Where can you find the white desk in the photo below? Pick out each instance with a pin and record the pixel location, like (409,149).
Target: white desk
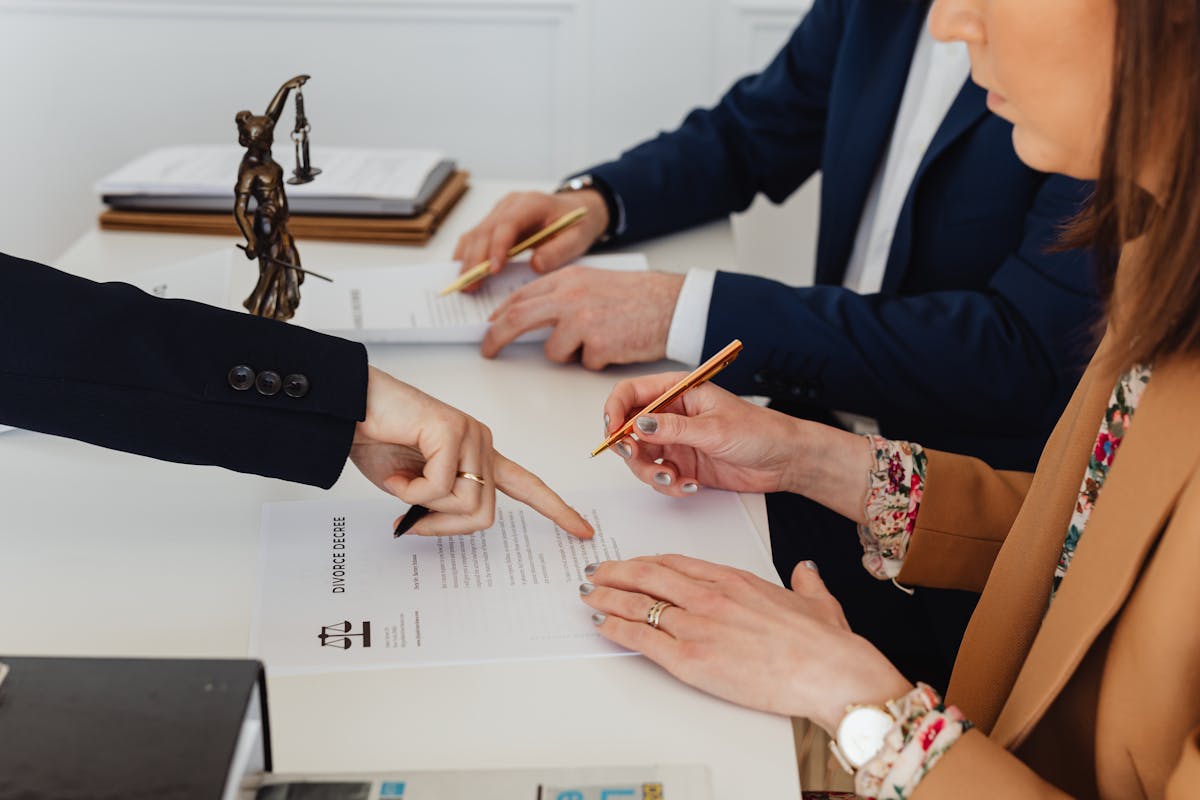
(112,554)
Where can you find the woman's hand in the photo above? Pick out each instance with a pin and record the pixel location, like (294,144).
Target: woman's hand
(741,638)
(712,438)
(707,436)
(414,446)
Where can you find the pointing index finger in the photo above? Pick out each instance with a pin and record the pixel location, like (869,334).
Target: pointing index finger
(521,484)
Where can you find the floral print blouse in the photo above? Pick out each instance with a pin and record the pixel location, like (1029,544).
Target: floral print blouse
(896,484)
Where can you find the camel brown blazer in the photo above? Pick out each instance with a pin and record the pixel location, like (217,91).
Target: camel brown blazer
(1099,696)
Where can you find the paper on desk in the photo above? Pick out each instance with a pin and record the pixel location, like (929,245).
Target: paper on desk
(404,305)
(384,304)
(353,179)
(337,592)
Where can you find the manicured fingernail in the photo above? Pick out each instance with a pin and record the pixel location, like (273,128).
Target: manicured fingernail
(590,569)
(624,450)
(607,422)
(647,424)
(586,588)
(662,479)
(810,565)
(690,488)
(598,618)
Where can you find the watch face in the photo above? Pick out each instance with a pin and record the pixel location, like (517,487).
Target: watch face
(860,734)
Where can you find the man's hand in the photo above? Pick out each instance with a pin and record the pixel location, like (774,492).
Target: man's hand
(522,214)
(607,317)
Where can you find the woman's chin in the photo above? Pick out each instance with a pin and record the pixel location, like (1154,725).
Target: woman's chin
(1037,153)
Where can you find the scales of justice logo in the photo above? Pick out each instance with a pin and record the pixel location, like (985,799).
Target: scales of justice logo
(340,635)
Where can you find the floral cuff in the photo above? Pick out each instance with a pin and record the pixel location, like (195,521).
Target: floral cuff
(895,486)
(924,731)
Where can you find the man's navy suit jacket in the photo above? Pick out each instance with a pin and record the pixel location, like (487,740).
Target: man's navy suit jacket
(980,331)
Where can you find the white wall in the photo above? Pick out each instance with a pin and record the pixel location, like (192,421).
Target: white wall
(512,88)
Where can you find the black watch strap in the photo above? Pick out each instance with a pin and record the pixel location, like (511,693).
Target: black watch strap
(587,181)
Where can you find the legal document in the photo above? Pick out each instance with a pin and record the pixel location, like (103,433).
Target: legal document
(404,304)
(337,592)
(383,304)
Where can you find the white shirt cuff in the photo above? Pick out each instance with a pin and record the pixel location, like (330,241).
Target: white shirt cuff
(685,339)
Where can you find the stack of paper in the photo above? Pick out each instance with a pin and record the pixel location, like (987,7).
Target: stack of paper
(354,181)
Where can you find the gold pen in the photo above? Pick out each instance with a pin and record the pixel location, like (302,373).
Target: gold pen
(701,374)
(480,270)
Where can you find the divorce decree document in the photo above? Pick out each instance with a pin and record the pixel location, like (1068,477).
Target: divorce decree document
(337,592)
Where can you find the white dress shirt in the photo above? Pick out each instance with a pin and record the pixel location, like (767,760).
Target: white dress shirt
(935,78)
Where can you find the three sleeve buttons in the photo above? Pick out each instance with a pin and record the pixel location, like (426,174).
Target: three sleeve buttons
(268,383)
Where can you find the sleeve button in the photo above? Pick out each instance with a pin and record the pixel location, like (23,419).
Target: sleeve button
(268,383)
(241,377)
(295,385)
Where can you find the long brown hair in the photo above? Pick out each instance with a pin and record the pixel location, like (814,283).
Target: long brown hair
(1154,309)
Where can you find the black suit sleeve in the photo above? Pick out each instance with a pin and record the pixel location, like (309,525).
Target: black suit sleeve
(114,366)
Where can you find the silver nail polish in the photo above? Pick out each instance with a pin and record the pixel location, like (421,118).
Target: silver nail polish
(590,569)
(624,450)
(598,618)
(662,479)
(810,564)
(607,421)
(691,488)
(647,424)
(586,588)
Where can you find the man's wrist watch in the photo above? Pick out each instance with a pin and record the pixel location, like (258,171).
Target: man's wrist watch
(860,735)
(580,182)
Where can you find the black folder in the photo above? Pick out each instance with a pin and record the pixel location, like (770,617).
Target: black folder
(128,728)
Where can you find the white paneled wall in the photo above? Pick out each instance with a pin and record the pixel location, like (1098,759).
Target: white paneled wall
(512,88)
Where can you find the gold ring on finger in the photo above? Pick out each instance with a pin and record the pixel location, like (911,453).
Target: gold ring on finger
(655,613)
(471,476)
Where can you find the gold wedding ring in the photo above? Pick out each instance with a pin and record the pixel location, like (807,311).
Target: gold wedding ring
(655,613)
(471,476)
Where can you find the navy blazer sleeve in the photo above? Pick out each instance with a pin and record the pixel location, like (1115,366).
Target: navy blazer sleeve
(114,366)
(766,135)
(954,359)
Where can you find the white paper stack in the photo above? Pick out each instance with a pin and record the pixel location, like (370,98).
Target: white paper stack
(354,181)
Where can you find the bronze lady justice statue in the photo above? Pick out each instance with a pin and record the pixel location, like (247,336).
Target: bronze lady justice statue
(277,293)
